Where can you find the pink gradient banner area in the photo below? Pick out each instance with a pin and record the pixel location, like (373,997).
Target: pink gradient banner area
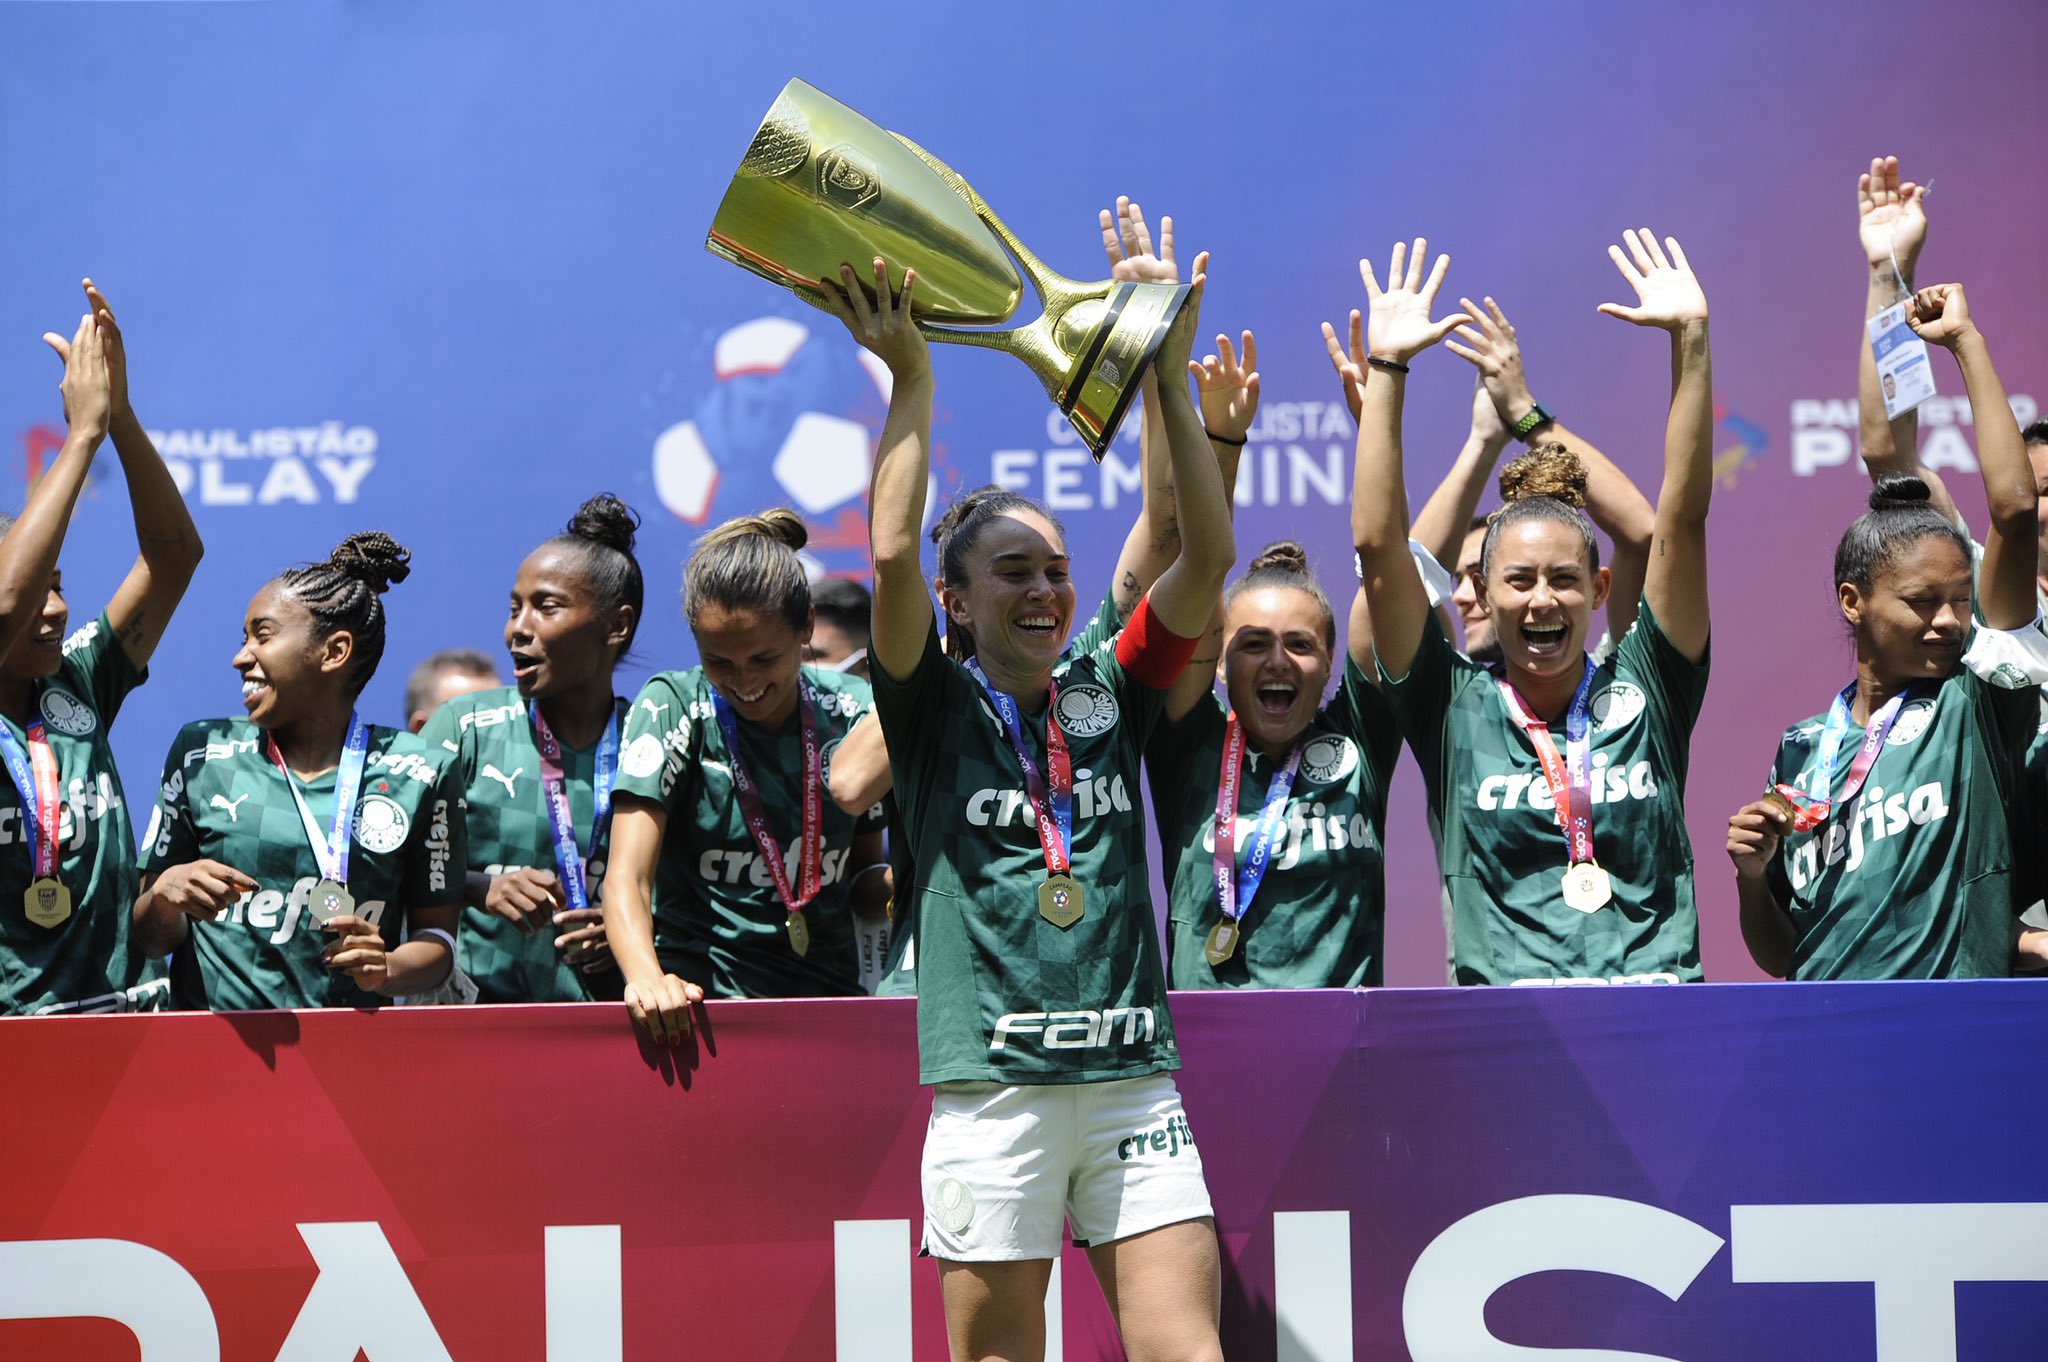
(440,271)
(1714,1174)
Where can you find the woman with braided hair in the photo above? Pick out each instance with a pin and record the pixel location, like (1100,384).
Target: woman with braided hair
(301,857)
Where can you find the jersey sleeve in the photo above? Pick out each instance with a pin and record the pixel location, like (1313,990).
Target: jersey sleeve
(1421,700)
(101,667)
(171,839)
(659,744)
(914,714)
(1360,708)
(862,697)
(1181,789)
(1677,684)
(439,856)
(445,731)
(1100,631)
(2004,670)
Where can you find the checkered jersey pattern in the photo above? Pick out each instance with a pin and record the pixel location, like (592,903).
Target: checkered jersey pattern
(489,737)
(223,799)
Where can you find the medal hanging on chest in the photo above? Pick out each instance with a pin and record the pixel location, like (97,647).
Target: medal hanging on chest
(331,898)
(810,850)
(1235,888)
(1060,898)
(570,862)
(1808,811)
(47,901)
(1584,886)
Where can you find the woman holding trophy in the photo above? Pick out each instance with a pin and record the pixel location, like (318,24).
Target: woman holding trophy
(1038,904)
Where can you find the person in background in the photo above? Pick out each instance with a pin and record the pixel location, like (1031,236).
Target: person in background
(839,635)
(441,677)
(67,867)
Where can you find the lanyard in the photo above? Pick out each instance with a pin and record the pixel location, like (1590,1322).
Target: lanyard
(810,854)
(331,851)
(35,776)
(1234,890)
(554,786)
(1570,776)
(1809,811)
(1051,808)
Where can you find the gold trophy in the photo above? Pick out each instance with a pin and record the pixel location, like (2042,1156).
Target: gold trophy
(821,185)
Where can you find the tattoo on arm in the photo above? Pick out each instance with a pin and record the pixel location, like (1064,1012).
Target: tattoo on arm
(131,633)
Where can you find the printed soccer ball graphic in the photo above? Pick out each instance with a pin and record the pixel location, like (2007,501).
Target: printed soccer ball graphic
(790,419)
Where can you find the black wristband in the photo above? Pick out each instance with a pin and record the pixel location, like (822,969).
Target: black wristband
(1214,438)
(1391,365)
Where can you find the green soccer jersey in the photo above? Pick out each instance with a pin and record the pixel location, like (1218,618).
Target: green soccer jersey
(1003,995)
(1916,879)
(223,799)
(1499,846)
(1319,915)
(83,963)
(718,918)
(497,765)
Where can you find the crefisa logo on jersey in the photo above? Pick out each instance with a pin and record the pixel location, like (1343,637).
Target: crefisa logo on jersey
(790,418)
(381,824)
(66,713)
(1086,710)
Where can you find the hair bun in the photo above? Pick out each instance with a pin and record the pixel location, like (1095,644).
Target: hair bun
(372,558)
(1282,555)
(1897,491)
(781,523)
(959,509)
(606,520)
(1548,470)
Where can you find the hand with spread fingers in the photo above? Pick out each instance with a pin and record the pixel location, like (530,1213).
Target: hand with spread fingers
(879,318)
(1891,216)
(1228,382)
(1349,364)
(1128,242)
(1398,324)
(1668,295)
(1491,348)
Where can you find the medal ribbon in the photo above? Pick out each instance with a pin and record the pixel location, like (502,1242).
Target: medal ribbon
(554,786)
(331,851)
(1234,889)
(1052,795)
(1809,811)
(35,777)
(811,852)
(1570,776)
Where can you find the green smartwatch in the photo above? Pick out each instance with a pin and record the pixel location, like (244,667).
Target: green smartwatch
(1539,415)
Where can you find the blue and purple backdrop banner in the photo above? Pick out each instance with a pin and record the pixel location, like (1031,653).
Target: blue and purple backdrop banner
(438,269)
(1728,1173)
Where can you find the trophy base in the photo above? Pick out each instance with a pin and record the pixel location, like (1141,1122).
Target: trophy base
(1113,358)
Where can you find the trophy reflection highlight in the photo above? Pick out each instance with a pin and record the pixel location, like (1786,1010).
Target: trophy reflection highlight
(821,184)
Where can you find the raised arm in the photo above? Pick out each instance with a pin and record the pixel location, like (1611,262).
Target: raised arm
(1669,297)
(1185,595)
(1613,501)
(881,323)
(1399,328)
(1154,538)
(29,550)
(1891,224)
(1229,385)
(169,544)
(2006,583)
(1445,519)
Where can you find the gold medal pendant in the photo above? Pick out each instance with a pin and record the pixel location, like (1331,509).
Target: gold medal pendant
(47,902)
(799,933)
(330,900)
(1059,901)
(1222,942)
(1587,887)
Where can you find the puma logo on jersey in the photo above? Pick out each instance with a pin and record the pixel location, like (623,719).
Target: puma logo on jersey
(654,711)
(493,773)
(233,806)
(1092,795)
(1085,1029)
(1876,817)
(1611,785)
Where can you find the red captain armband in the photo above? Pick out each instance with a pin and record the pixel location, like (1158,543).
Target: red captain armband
(1152,654)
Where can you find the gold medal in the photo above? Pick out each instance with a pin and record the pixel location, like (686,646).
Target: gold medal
(1059,901)
(799,933)
(330,900)
(1222,942)
(1777,800)
(1587,887)
(47,902)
